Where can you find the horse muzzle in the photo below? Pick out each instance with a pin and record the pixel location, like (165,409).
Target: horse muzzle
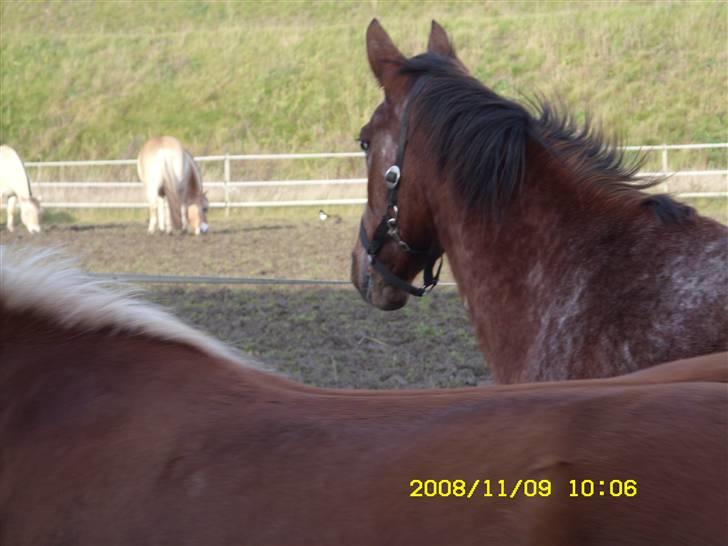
(372,288)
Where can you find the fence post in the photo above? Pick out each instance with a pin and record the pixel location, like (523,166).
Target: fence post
(226,181)
(665,165)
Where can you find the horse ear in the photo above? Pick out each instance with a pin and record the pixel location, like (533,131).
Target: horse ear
(385,60)
(439,43)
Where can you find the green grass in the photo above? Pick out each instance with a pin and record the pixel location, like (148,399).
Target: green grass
(95,79)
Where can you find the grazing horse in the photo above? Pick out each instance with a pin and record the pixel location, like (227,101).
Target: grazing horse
(119,425)
(15,184)
(567,268)
(169,171)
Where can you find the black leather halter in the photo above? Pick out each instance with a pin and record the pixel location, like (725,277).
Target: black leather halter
(388,226)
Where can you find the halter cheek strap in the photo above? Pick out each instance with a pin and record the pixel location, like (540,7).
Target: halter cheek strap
(388,227)
(430,276)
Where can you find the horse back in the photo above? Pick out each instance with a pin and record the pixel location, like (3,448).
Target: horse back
(161,164)
(711,368)
(13,178)
(169,445)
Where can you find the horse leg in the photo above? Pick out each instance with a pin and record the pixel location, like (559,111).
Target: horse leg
(167,217)
(152,218)
(12,200)
(161,214)
(184,217)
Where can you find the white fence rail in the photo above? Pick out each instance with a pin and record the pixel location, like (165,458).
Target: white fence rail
(227,190)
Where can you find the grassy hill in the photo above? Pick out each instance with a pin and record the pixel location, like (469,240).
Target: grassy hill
(85,80)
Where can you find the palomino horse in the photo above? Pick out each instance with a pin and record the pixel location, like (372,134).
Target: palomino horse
(119,425)
(15,185)
(169,171)
(567,268)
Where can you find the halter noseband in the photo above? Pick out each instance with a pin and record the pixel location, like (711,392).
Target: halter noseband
(388,226)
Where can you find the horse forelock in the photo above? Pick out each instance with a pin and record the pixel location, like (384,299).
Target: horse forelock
(46,283)
(480,139)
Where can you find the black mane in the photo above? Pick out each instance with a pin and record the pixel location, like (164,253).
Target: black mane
(480,138)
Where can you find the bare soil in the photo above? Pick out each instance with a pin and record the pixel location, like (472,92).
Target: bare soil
(321,335)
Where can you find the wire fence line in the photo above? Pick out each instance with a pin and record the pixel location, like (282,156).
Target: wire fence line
(215,280)
(225,191)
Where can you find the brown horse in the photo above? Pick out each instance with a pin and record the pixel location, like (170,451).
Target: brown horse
(567,268)
(121,426)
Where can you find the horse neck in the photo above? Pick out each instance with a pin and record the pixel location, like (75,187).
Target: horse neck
(514,272)
(194,188)
(23,190)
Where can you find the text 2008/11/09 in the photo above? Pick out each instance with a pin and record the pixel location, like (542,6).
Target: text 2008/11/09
(478,488)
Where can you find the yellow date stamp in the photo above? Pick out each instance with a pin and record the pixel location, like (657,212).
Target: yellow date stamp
(480,488)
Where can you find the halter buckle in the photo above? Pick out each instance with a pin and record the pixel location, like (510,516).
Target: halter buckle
(391,177)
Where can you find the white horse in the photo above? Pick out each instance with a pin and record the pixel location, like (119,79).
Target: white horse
(169,171)
(15,185)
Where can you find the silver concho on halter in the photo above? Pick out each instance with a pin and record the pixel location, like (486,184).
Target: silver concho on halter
(391,177)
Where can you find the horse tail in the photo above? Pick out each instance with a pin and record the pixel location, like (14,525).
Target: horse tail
(171,184)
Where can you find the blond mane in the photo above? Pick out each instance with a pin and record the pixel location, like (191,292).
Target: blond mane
(46,282)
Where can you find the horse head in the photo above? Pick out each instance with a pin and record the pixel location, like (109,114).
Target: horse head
(197,214)
(397,236)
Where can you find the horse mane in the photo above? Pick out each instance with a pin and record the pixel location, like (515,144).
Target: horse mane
(481,138)
(46,283)
(195,176)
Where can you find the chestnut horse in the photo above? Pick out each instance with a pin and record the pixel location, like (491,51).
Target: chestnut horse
(119,425)
(15,185)
(169,171)
(568,270)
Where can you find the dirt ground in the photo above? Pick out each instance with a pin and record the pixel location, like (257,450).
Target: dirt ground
(321,335)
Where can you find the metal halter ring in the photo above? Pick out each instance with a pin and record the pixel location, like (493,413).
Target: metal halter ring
(392,177)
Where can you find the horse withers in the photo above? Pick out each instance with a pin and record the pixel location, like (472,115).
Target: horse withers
(567,267)
(120,425)
(15,185)
(173,187)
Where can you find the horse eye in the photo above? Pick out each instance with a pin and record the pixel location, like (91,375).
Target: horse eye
(364,144)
